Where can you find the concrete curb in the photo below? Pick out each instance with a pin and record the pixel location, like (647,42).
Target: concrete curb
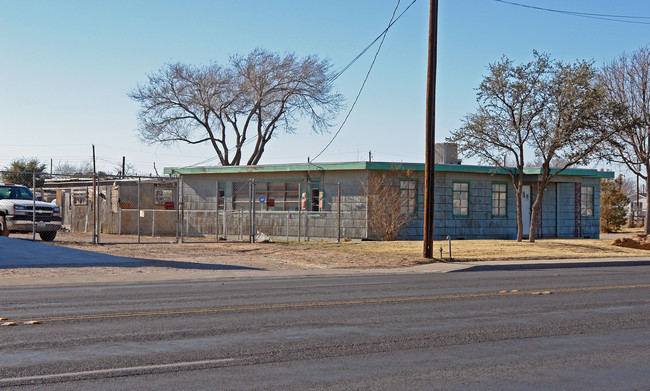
(557,264)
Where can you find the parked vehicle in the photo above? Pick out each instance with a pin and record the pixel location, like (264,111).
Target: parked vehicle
(21,212)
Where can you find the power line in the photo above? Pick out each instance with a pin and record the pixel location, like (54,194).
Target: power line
(607,17)
(383,33)
(392,21)
(381,36)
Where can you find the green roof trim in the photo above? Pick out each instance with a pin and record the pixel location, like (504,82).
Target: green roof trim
(583,172)
(207,170)
(294,167)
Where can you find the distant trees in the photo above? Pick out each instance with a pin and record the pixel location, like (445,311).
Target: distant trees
(613,202)
(71,169)
(20,172)
(626,81)
(249,100)
(85,168)
(549,107)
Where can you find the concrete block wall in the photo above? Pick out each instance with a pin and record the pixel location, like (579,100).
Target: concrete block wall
(566,212)
(591,224)
(479,224)
(547,227)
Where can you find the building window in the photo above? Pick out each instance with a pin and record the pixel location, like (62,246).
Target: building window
(291,196)
(587,200)
(163,196)
(221,194)
(80,197)
(240,198)
(408,190)
(499,199)
(461,198)
(278,196)
(316,197)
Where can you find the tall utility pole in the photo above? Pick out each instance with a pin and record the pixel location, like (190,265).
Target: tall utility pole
(431,131)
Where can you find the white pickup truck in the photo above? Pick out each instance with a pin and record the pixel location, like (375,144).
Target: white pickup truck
(17,206)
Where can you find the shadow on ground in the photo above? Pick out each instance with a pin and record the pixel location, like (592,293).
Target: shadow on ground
(22,254)
(134,263)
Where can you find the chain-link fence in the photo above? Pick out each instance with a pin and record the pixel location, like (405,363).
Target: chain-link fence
(278,210)
(189,209)
(105,209)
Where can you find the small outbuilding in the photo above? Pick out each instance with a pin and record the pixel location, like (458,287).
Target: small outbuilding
(125,206)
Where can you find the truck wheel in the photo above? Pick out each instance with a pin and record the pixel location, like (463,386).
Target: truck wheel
(47,236)
(4,231)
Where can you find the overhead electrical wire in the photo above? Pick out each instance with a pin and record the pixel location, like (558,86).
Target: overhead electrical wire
(383,37)
(382,34)
(608,17)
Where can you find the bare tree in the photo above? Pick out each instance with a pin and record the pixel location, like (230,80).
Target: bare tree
(627,83)
(390,208)
(72,169)
(247,101)
(570,127)
(555,109)
(510,100)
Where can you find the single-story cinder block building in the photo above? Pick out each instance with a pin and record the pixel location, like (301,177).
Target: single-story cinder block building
(325,201)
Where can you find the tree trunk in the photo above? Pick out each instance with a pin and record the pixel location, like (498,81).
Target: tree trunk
(520,218)
(646,227)
(534,215)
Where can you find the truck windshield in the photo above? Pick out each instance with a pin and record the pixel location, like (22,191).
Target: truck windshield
(15,193)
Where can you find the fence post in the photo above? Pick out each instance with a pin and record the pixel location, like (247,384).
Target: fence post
(224,225)
(139,211)
(288,218)
(216,210)
(34,206)
(94,208)
(338,236)
(299,209)
(178,206)
(252,204)
(367,208)
(99,215)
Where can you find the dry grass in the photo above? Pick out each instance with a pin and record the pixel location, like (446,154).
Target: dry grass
(316,255)
(489,250)
(631,231)
(362,255)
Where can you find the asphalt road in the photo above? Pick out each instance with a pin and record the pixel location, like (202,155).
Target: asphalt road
(578,329)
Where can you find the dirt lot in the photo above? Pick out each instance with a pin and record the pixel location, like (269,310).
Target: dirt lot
(361,255)
(324,255)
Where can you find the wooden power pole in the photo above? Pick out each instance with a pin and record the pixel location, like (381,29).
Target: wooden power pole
(431,131)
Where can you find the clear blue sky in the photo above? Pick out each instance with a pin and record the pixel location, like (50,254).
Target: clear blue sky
(66,67)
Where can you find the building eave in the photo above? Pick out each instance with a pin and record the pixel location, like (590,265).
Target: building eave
(351,166)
